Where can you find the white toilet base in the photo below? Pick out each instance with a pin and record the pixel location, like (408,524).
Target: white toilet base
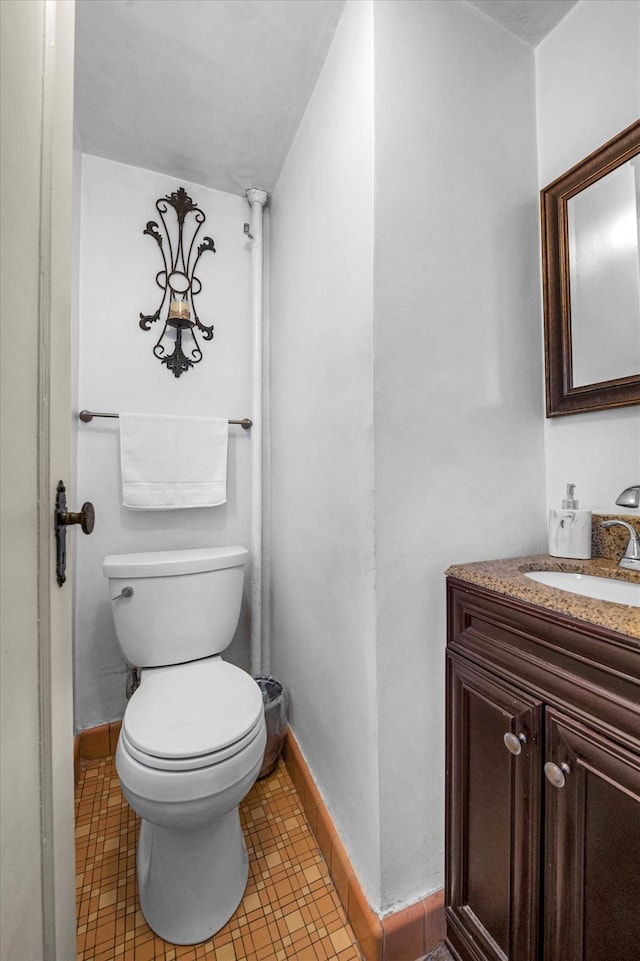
(190,882)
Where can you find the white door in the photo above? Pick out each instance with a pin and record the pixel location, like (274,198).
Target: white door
(36,801)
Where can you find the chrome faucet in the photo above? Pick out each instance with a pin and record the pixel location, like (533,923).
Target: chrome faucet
(631,557)
(630,497)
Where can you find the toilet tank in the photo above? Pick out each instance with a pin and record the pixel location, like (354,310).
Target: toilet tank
(179,606)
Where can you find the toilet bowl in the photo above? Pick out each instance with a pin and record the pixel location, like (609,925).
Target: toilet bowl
(193,735)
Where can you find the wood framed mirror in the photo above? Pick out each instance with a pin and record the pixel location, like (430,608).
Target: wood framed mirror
(591,280)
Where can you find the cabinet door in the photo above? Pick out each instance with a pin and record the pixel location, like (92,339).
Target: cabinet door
(592,845)
(493,816)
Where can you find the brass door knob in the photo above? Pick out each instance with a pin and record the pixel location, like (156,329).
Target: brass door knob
(86,517)
(514,742)
(62,518)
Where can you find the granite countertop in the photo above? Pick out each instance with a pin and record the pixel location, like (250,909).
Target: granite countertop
(506,576)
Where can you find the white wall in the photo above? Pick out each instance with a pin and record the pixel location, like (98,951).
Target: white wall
(323,643)
(458,364)
(364,524)
(118,372)
(588,90)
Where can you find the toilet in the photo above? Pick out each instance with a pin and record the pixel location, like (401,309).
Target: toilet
(193,733)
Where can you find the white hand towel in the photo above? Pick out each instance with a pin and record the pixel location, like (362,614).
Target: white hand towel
(172,462)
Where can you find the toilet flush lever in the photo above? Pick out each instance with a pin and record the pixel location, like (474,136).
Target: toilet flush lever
(125,592)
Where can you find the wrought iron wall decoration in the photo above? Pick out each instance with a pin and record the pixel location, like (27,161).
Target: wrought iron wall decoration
(177,346)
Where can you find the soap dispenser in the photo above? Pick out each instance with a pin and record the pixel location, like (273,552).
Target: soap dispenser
(570,529)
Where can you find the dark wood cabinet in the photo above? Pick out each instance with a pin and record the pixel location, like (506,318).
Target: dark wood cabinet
(493,807)
(592,846)
(543,784)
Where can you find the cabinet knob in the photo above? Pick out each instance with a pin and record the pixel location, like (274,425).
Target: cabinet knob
(556,774)
(514,742)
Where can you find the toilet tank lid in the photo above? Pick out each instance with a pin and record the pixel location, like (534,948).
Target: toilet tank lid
(166,563)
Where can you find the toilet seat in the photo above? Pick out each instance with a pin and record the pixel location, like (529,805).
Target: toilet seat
(192,715)
(143,783)
(191,763)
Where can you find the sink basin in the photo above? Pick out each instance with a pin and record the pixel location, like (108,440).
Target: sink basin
(602,588)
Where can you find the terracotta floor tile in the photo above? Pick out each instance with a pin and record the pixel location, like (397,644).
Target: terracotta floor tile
(290,909)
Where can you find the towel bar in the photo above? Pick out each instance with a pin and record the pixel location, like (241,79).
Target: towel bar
(87,416)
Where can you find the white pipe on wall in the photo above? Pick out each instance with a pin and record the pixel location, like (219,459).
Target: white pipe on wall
(257,200)
(266,453)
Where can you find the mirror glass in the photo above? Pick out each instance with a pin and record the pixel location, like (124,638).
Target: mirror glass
(591,280)
(604,277)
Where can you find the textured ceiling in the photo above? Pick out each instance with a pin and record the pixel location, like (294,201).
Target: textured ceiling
(212,91)
(531,20)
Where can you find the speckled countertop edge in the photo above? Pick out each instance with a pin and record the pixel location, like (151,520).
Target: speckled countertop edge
(507,576)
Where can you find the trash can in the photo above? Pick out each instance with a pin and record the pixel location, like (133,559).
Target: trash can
(275,715)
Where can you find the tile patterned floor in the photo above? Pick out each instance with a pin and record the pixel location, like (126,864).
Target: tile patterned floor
(290,907)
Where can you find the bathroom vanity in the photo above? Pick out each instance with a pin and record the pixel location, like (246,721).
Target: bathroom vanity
(543,768)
